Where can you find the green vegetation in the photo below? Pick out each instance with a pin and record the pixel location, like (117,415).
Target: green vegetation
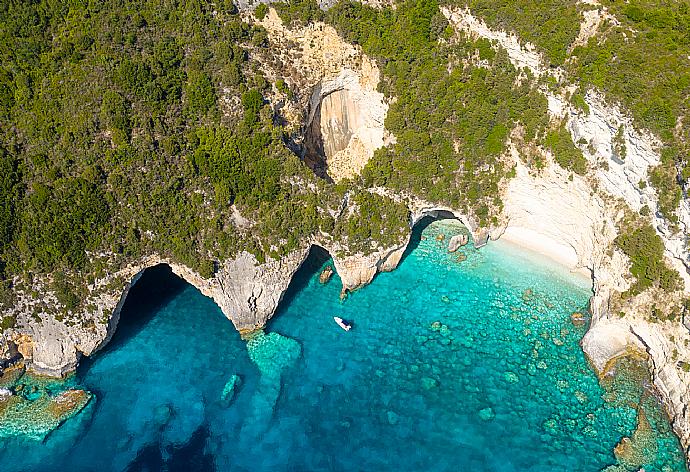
(299,12)
(128,128)
(379,220)
(646,252)
(452,123)
(641,61)
(619,149)
(113,145)
(551,25)
(261,11)
(7,322)
(578,100)
(567,155)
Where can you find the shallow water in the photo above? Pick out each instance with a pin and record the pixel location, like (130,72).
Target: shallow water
(471,365)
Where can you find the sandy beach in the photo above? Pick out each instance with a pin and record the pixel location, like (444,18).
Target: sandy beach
(538,243)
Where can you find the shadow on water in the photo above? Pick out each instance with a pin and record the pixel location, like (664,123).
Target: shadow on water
(189,457)
(316,258)
(422,224)
(156,287)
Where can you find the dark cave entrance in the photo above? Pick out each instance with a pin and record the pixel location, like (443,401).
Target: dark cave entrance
(314,262)
(313,151)
(154,289)
(421,224)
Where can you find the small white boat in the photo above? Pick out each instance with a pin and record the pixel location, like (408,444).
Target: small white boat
(342,323)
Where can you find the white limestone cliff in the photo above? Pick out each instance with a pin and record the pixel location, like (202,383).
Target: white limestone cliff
(357,270)
(574,219)
(345,113)
(246,291)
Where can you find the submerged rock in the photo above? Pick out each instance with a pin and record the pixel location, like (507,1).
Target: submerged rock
(229,389)
(487,414)
(392,417)
(527,295)
(34,419)
(272,353)
(635,451)
(457,241)
(461,257)
(511,377)
(428,383)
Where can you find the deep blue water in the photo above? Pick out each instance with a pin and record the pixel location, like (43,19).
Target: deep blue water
(471,366)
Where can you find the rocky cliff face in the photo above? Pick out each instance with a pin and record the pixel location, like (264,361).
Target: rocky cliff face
(575,217)
(247,292)
(572,218)
(341,121)
(359,269)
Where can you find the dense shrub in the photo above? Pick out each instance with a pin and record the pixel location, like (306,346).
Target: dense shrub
(646,252)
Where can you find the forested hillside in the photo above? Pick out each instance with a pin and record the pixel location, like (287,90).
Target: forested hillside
(128,128)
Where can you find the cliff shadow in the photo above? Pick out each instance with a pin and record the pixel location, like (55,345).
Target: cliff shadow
(316,258)
(420,226)
(156,287)
(314,153)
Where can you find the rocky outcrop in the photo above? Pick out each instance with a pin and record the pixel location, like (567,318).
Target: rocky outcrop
(345,113)
(358,269)
(457,241)
(246,291)
(246,5)
(520,54)
(574,219)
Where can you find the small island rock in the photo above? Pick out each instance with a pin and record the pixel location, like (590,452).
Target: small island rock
(578,318)
(457,241)
(326,274)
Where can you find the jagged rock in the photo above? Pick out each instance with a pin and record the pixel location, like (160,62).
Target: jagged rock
(246,291)
(457,241)
(527,295)
(511,377)
(358,270)
(229,389)
(345,112)
(578,319)
(34,419)
(326,274)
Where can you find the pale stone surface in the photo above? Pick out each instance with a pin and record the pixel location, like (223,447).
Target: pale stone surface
(247,292)
(573,220)
(457,241)
(358,269)
(567,217)
(345,112)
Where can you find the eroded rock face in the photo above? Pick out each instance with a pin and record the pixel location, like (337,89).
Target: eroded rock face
(345,114)
(346,126)
(358,269)
(575,217)
(247,292)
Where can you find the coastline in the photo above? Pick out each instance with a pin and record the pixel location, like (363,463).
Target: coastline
(544,247)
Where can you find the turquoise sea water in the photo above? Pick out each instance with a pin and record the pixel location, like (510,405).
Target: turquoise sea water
(451,366)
